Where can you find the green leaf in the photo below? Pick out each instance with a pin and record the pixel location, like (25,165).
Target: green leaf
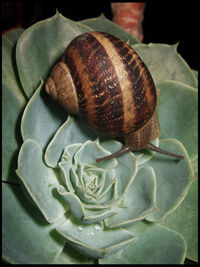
(126,169)
(195,167)
(90,151)
(14,35)
(103,24)
(78,210)
(185,221)
(145,155)
(95,187)
(42,117)
(195,72)
(73,202)
(173,178)
(71,256)
(94,240)
(12,105)
(72,131)
(177,113)
(138,202)
(81,169)
(41,45)
(66,164)
(11,138)
(40,181)
(174,67)
(98,203)
(154,244)
(26,236)
(9,70)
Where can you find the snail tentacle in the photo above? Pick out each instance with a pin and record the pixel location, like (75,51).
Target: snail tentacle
(118,153)
(150,146)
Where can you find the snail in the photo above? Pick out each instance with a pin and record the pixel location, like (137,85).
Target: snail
(103,80)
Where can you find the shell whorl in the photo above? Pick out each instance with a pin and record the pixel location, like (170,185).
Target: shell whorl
(61,87)
(115,92)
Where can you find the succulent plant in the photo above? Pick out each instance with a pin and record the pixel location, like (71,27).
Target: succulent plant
(59,204)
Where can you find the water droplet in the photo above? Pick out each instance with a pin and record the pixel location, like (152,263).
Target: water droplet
(80,229)
(98,227)
(90,233)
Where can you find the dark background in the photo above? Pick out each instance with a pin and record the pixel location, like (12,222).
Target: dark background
(164,21)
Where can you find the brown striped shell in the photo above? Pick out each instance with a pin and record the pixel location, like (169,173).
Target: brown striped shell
(107,82)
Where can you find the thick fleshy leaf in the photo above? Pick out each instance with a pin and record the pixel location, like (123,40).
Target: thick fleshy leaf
(90,151)
(172,179)
(50,38)
(66,163)
(12,108)
(27,238)
(96,215)
(94,240)
(127,167)
(154,244)
(71,256)
(72,131)
(78,208)
(94,187)
(42,117)
(144,155)
(40,181)
(195,72)
(138,202)
(185,221)
(178,114)
(195,167)
(175,67)
(14,35)
(9,70)
(13,103)
(73,202)
(102,24)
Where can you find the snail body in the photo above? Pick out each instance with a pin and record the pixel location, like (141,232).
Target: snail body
(101,78)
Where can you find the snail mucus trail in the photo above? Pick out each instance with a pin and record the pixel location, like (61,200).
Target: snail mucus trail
(103,80)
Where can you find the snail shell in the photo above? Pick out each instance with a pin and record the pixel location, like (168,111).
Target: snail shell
(101,78)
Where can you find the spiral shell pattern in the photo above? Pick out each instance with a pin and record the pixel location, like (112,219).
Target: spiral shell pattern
(115,91)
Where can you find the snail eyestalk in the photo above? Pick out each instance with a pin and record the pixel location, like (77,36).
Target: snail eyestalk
(120,152)
(159,150)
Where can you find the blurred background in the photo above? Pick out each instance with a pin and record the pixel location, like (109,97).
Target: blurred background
(163,21)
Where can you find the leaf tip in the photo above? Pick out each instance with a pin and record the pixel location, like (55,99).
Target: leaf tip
(102,15)
(176,45)
(57,12)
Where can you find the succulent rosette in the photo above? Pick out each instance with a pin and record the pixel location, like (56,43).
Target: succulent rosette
(59,204)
